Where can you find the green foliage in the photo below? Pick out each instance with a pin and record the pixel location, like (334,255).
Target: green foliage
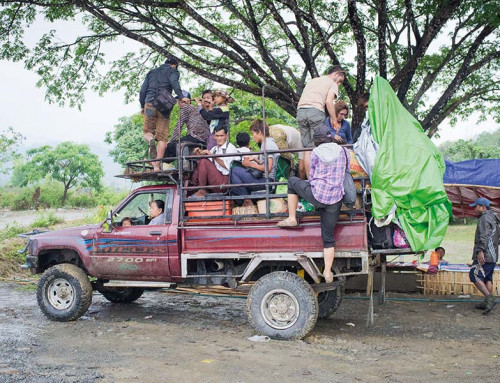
(50,196)
(46,220)
(487,145)
(69,163)
(9,139)
(12,230)
(128,141)
(443,67)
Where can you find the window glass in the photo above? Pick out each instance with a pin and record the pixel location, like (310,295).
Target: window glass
(137,209)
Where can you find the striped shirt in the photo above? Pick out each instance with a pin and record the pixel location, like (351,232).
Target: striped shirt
(327,181)
(197,127)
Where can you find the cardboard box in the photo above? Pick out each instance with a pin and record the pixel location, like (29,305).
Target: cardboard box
(276,205)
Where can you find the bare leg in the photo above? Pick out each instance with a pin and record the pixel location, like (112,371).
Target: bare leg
(291,221)
(329,256)
(482,287)
(302,170)
(160,151)
(148,136)
(293,201)
(489,286)
(307,159)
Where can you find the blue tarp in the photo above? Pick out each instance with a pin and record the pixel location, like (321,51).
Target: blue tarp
(473,172)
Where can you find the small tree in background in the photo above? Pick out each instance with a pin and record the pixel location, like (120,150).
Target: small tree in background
(69,163)
(9,139)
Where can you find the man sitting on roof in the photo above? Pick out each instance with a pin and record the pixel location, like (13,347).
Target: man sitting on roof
(197,127)
(214,171)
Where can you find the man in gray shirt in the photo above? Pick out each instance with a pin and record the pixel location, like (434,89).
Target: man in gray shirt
(485,253)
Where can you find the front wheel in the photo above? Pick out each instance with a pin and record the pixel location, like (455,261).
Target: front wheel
(64,292)
(282,305)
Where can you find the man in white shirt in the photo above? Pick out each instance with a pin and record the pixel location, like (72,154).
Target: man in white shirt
(214,171)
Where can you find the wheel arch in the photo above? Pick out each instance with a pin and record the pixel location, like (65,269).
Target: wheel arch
(51,257)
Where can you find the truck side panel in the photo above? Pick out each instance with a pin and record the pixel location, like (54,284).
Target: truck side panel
(267,237)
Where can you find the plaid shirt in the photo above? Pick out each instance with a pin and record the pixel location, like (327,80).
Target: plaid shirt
(197,127)
(327,181)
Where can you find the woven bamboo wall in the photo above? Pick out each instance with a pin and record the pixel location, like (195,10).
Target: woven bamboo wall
(453,283)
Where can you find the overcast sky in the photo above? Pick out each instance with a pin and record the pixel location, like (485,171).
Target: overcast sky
(22,104)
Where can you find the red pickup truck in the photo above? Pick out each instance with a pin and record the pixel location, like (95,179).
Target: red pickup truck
(283,266)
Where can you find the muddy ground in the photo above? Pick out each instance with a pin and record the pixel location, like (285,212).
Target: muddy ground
(166,337)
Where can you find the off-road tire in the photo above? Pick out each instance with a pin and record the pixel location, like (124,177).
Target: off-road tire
(121,294)
(282,305)
(329,301)
(64,292)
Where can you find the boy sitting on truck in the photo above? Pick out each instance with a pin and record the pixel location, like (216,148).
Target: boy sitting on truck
(254,167)
(214,171)
(325,190)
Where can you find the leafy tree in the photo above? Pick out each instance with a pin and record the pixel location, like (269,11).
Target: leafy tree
(68,163)
(9,139)
(441,56)
(127,140)
(462,150)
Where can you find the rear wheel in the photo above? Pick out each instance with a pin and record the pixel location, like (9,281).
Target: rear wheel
(329,301)
(121,294)
(64,292)
(282,305)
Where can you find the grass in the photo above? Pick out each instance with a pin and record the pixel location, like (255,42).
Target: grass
(46,220)
(459,242)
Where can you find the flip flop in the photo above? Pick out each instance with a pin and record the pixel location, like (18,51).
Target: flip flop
(288,223)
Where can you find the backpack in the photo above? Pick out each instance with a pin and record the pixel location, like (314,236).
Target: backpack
(380,237)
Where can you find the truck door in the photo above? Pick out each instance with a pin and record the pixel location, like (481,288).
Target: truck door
(139,251)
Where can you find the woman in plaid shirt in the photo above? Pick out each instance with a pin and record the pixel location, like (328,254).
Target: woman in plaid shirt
(325,190)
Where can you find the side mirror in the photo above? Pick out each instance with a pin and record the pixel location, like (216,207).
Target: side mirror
(109,221)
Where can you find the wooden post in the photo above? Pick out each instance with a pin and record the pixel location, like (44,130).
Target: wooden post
(369,291)
(381,291)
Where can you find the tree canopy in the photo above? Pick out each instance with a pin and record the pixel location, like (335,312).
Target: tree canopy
(440,56)
(68,163)
(9,140)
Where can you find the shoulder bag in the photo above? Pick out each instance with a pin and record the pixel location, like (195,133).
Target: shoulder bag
(349,189)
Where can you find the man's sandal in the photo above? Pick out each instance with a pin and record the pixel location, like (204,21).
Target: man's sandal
(288,223)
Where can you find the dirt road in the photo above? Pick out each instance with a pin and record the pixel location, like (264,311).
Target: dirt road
(166,337)
(27,217)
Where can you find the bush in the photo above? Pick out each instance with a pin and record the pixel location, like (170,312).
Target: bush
(46,220)
(12,230)
(82,200)
(51,193)
(7,197)
(110,197)
(22,200)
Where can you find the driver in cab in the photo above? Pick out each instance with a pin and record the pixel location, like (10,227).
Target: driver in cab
(156,210)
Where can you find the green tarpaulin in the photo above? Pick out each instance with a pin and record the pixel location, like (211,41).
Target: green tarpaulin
(408,171)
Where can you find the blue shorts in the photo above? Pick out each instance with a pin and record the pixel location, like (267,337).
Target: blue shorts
(481,272)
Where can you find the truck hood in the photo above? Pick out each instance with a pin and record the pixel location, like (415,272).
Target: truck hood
(76,238)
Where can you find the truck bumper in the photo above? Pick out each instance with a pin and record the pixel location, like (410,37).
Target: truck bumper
(31,264)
